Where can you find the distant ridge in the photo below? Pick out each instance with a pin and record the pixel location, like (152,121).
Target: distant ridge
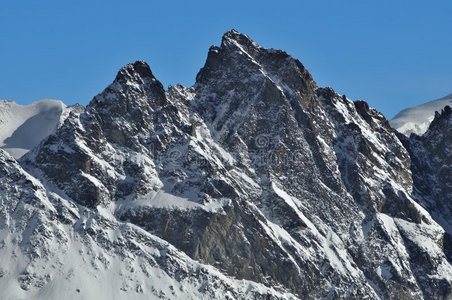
(417,119)
(22,127)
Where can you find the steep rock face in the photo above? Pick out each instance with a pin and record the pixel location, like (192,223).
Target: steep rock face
(257,171)
(432,172)
(434,165)
(126,107)
(278,129)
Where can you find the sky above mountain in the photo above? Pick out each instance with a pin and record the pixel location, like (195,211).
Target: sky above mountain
(394,54)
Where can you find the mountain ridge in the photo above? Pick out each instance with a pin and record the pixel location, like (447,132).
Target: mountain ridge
(253,170)
(417,119)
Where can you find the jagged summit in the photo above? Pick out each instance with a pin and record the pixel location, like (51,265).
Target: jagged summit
(135,87)
(440,130)
(241,59)
(131,70)
(239,38)
(444,114)
(234,34)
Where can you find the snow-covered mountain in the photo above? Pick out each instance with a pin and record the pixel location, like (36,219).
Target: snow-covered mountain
(254,183)
(417,119)
(22,127)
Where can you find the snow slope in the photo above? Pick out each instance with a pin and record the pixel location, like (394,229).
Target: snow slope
(45,252)
(22,127)
(417,119)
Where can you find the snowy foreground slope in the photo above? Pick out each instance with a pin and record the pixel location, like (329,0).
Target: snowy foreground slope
(417,119)
(52,248)
(252,184)
(22,127)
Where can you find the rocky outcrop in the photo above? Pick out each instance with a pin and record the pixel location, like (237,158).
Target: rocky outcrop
(432,172)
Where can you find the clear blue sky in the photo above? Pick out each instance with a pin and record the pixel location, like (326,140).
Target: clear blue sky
(394,54)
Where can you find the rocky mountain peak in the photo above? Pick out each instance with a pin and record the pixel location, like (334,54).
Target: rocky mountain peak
(234,37)
(134,86)
(126,106)
(237,50)
(254,171)
(133,71)
(243,83)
